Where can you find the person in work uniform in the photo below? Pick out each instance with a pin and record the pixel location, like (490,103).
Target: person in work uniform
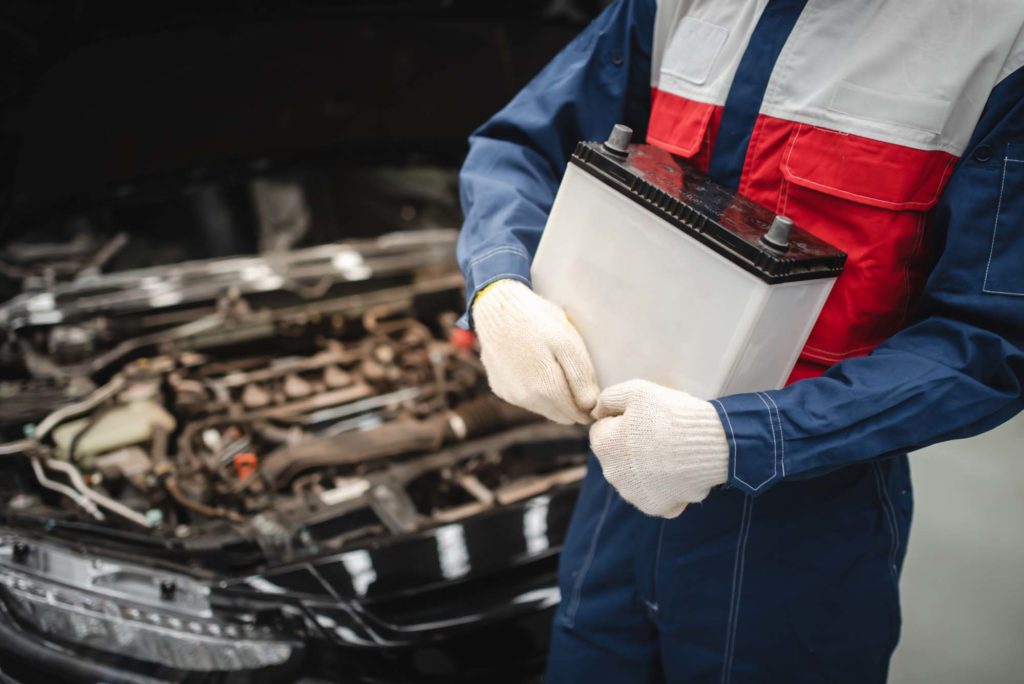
(893,130)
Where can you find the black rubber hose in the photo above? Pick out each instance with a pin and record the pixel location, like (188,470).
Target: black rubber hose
(489,414)
(403,436)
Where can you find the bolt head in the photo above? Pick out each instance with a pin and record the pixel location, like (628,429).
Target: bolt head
(619,139)
(20,552)
(778,233)
(168,589)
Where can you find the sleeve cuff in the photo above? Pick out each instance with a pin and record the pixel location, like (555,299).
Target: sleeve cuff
(507,262)
(757,447)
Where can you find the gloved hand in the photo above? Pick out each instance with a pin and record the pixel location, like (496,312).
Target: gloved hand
(660,448)
(534,357)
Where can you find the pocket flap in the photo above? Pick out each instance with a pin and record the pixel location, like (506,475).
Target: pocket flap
(866,171)
(678,125)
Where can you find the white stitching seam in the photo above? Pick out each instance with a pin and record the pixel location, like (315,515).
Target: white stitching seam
(995,231)
(499,250)
(890,516)
(995,226)
(830,357)
(569,620)
(782,435)
(771,423)
(737,587)
(736,450)
(787,168)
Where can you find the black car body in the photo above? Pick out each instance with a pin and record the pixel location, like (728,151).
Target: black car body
(242,437)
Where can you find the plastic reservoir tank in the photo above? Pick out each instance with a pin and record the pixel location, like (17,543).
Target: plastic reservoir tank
(675,279)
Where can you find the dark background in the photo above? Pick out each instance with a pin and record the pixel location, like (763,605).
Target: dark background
(122,102)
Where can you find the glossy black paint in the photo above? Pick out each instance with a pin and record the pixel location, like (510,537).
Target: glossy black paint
(474,547)
(463,602)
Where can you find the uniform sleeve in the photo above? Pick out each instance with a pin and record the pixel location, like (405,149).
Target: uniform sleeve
(516,159)
(955,372)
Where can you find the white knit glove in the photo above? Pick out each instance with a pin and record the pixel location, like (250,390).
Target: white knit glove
(660,448)
(534,357)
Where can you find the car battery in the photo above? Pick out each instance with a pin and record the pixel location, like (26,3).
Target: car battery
(673,278)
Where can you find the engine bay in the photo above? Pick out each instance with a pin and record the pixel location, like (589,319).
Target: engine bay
(303,401)
(241,437)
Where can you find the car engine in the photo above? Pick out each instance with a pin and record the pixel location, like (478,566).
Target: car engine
(300,401)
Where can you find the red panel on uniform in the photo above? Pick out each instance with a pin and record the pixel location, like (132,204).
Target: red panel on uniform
(866,197)
(683,127)
(865,171)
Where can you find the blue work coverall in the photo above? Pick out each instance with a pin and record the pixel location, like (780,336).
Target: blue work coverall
(788,573)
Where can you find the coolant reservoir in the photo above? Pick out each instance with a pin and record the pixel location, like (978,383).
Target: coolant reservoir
(673,278)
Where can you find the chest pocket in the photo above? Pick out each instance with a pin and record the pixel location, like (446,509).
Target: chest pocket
(683,121)
(1004,273)
(683,127)
(870,199)
(693,50)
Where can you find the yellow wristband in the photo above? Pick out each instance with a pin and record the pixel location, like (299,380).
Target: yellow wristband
(487,288)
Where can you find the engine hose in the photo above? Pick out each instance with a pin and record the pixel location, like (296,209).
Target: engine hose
(403,436)
(489,414)
(171,485)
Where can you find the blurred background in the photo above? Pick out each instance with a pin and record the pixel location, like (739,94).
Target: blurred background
(963,582)
(195,125)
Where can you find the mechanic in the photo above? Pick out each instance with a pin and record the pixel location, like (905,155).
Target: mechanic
(893,130)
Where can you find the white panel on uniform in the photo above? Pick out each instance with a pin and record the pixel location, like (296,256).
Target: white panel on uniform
(910,73)
(698,45)
(693,50)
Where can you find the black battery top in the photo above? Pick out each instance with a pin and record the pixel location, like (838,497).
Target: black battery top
(727,222)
